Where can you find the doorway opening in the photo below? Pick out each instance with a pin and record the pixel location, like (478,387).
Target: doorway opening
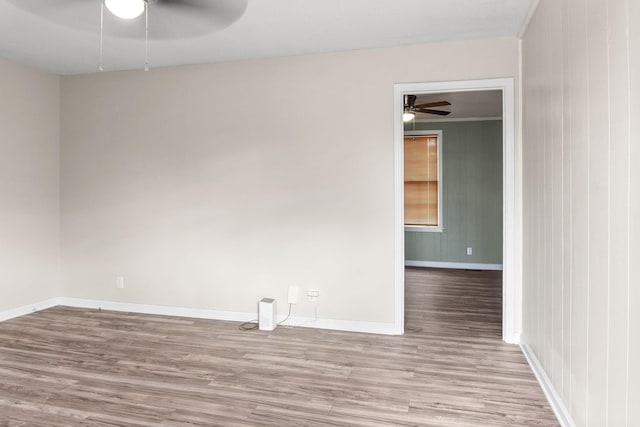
(433,223)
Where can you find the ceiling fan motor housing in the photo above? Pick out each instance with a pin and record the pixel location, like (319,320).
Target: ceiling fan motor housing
(409,101)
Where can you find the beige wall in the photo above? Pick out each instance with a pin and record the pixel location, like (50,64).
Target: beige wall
(581,75)
(212,186)
(29,185)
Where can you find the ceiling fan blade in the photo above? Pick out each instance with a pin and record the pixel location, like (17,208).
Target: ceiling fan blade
(433,104)
(167,18)
(188,18)
(429,111)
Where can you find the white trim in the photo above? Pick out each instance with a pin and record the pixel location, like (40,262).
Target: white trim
(561,412)
(200,313)
(424,228)
(340,325)
(512,306)
(28,309)
(518,339)
(458,265)
(162,310)
(430,228)
(398,207)
(460,119)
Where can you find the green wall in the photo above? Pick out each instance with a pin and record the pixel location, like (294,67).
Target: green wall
(472,194)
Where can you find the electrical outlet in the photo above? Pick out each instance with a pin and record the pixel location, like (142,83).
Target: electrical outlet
(293,295)
(313,294)
(469,251)
(120,282)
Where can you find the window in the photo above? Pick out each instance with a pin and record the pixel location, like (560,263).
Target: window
(423,181)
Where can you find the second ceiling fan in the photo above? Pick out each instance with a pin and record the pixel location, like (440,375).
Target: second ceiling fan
(410,107)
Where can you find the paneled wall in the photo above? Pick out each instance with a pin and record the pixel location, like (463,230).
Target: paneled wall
(581,97)
(29,185)
(472,196)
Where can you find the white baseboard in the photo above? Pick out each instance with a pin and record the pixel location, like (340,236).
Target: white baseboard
(458,265)
(200,313)
(515,339)
(28,309)
(163,310)
(341,325)
(562,414)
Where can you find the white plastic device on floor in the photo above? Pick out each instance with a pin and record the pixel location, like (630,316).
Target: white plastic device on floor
(267,314)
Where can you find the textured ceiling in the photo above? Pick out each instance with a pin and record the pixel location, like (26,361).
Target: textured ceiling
(481,104)
(268,28)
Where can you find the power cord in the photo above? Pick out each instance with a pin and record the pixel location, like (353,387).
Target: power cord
(288,315)
(249,326)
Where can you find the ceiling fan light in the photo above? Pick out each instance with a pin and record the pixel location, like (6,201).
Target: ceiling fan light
(125,9)
(407,116)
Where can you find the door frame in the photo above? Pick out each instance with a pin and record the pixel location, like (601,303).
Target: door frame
(511,274)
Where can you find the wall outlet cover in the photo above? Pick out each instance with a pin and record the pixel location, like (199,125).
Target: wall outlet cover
(312,294)
(293,295)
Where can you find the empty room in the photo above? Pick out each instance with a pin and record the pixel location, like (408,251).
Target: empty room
(313,213)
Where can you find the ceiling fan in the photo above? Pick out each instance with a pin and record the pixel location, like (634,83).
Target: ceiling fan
(168,19)
(410,109)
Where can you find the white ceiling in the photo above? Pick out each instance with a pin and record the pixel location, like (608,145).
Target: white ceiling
(480,104)
(268,28)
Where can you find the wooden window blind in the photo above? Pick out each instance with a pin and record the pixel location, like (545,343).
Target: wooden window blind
(421,180)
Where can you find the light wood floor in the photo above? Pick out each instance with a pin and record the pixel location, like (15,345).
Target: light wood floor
(77,367)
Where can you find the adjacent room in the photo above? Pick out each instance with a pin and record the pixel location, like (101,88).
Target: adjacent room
(453,185)
(219,213)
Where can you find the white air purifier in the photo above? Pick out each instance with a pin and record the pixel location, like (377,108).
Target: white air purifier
(267,314)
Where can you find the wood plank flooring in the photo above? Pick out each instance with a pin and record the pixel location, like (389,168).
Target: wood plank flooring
(78,367)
